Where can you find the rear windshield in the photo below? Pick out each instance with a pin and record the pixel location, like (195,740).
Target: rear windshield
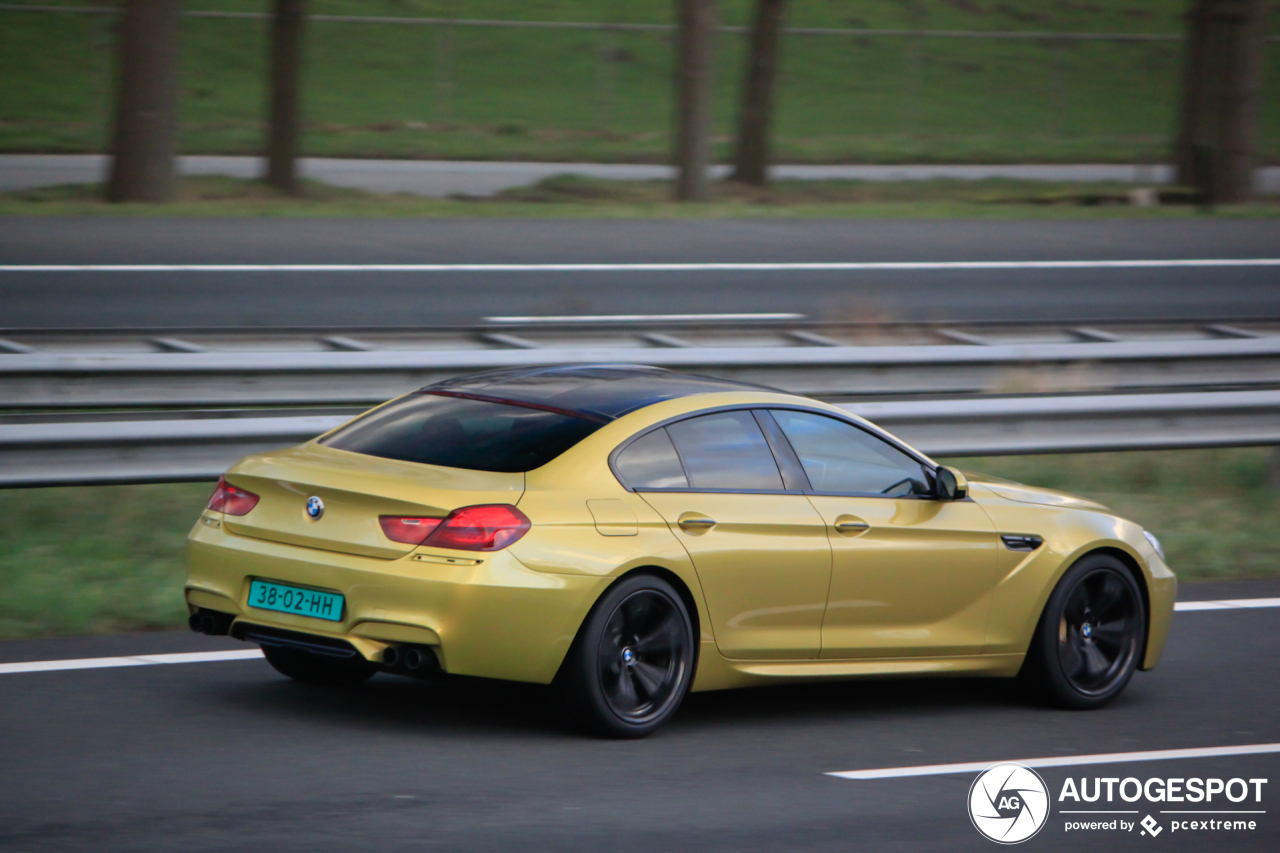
(459,433)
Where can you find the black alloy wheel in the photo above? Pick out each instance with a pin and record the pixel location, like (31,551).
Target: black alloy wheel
(632,662)
(1090,635)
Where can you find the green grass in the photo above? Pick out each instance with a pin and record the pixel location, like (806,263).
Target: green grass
(1214,510)
(110,558)
(94,560)
(568,196)
(371,90)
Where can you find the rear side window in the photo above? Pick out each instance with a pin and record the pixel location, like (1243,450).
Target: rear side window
(839,457)
(459,433)
(726,450)
(650,462)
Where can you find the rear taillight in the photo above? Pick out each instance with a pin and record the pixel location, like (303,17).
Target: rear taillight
(479,528)
(408,530)
(232,500)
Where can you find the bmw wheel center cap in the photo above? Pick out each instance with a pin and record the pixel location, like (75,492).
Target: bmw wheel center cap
(315,507)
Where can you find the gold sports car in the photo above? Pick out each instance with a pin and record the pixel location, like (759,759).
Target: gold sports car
(630,534)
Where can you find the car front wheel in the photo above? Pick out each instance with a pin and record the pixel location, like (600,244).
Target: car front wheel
(1089,639)
(632,662)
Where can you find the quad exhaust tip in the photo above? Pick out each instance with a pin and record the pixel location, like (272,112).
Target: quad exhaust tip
(210,622)
(412,660)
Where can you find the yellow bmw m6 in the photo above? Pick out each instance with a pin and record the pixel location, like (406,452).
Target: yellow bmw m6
(630,534)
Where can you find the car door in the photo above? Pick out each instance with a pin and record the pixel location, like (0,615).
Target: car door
(911,575)
(760,551)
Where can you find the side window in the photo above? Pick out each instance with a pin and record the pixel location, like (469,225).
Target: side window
(650,462)
(839,457)
(726,450)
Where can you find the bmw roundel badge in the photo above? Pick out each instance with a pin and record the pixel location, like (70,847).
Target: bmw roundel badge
(315,507)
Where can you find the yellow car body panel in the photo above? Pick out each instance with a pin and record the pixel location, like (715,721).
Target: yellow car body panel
(917,580)
(776,590)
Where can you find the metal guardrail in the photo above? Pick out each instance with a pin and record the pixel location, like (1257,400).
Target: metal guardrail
(53,380)
(1118,386)
(188,449)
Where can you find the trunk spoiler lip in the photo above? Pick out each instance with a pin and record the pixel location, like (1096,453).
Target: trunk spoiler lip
(524,404)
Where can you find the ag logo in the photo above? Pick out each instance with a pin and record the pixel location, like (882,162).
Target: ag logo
(1009,803)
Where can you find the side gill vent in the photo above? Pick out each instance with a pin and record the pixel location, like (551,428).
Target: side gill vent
(1021,541)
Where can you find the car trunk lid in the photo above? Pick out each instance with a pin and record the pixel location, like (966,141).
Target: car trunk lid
(355,489)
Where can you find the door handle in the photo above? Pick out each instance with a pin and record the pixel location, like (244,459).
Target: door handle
(694,522)
(851,525)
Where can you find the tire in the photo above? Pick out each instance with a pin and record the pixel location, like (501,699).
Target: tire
(318,669)
(1090,637)
(632,662)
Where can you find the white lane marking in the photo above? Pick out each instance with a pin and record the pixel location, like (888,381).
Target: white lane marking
(1061,761)
(247,654)
(136,660)
(1232,604)
(639,318)
(837,266)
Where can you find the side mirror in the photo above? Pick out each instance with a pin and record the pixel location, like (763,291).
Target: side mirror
(950,484)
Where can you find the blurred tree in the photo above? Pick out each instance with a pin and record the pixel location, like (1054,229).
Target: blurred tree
(146,102)
(695,42)
(286,95)
(751,158)
(1216,149)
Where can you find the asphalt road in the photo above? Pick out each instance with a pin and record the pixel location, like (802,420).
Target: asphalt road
(230,756)
(273,298)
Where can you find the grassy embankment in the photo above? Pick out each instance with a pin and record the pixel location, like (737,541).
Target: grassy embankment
(83,560)
(371,89)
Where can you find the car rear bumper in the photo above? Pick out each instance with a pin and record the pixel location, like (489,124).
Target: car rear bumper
(483,614)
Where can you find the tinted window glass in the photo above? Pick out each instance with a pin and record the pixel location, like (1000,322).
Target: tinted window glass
(607,390)
(650,462)
(725,451)
(839,457)
(459,433)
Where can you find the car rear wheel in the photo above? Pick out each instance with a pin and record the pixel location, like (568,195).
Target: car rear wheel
(1089,639)
(632,662)
(319,669)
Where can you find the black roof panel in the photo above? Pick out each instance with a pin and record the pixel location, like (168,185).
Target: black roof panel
(601,390)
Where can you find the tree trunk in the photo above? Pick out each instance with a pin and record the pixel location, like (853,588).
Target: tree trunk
(751,159)
(1238,125)
(286,93)
(146,102)
(697,23)
(1193,93)
(1216,149)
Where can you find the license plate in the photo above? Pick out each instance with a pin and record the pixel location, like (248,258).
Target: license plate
(292,599)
